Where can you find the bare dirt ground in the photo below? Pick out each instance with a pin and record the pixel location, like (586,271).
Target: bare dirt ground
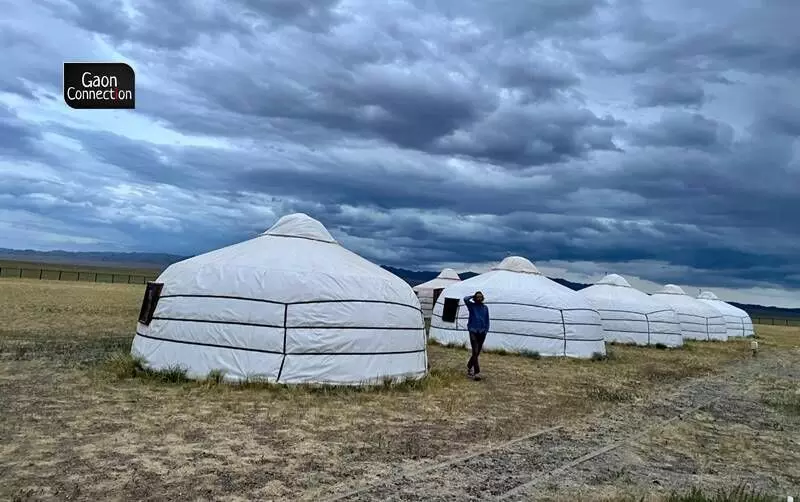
(72,428)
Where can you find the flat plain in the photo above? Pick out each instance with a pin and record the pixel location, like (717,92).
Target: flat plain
(76,424)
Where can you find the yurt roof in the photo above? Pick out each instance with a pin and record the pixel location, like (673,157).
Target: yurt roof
(684,303)
(516,280)
(517,264)
(446,277)
(448,274)
(672,289)
(295,260)
(614,280)
(300,226)
(726,308)
(614,292)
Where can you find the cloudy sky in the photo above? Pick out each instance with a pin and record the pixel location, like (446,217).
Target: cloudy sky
(656,139)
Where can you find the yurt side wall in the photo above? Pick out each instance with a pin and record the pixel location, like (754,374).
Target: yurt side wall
(651,328)
(341,341)
(664,328)
(425,301)
(697,322)
(737,320)
(525,328)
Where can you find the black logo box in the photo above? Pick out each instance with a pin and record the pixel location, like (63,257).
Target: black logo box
(99,86)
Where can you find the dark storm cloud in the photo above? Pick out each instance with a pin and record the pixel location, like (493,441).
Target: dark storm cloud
(430,110)
(782,119)
(171,25)
(17,136)
(719,37)
(625,133)
(514,18)
(685,130)
(346,87)
(668,91)
(532,136)
(313,15)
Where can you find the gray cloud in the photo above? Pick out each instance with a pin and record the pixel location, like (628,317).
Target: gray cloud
(685,130)
(664,90)
(623,133)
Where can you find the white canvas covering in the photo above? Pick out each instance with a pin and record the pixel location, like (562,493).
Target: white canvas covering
(631,316)
(528,313)
(288,306)
(737,320)
(698,320)
(425,291)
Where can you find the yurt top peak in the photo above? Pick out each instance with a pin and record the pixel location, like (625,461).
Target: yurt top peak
(517,264)
(448,273)
(672,289)
(614,280)
(301,226)
(708,295)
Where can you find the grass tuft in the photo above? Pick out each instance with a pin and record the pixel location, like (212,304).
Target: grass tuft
(215,377)
(124,366)
(787,402)
(611,394)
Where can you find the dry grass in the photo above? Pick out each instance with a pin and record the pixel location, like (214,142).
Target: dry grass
(74,422)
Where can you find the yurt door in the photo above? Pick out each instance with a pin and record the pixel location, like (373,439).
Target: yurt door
(436,293)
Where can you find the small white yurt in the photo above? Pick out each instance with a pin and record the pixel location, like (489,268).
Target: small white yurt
(737,320)
(528,313)
(698,320)
(428,292)
(289,306)
(631,316)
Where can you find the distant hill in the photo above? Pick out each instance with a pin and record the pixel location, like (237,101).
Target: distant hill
(159,261)
(156,261)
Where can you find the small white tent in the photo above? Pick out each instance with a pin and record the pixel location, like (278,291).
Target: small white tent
(737,320)
(698,320)
(631,316)
(288,306)
(428,292)
(528,313)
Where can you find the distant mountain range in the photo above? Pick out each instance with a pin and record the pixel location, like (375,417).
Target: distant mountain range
(159,261)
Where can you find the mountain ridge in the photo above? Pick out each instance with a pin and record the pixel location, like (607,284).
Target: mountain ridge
(159,261)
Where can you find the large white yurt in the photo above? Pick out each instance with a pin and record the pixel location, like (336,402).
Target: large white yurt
(632,316)
(737,320)
(698,320)
(528,313)
(428,292)
(291,306)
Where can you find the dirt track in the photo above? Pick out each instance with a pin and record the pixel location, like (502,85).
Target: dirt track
(657,450)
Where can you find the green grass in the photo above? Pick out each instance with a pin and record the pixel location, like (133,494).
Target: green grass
(124,366)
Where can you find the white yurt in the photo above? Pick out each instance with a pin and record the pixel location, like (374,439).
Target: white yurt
(632,316)
(428,292)
(737,320)
(698,320)
(528,313)
(291,306)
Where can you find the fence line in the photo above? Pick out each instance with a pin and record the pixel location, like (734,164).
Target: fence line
(776,321)
(75,275)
